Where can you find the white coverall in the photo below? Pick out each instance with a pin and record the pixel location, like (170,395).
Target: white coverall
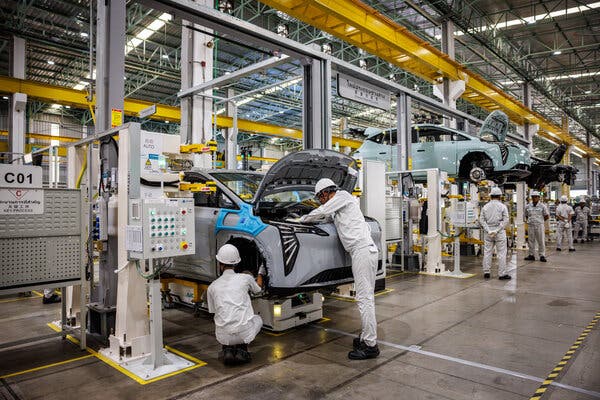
(582,215)
(228,299)
(355,235)
(534,215)
(493,219)
(564,227)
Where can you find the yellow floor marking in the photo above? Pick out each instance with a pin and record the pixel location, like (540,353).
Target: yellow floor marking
(45,366)
(12,299)
(108,361)
(384,291)
(466,276)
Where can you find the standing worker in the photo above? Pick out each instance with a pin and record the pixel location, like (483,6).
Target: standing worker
(535,215)
(355,235)
(494,218)
(564,214)
(227,297)
(582,214)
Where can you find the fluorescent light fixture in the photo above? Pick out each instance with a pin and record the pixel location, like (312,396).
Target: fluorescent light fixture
(271,90)
(166,56)
(50,62)
(556,77)
(588,92)
(83,34)
(55,106)
(557,52)
(166,122)
(67,106)
(148,31)
(5,97)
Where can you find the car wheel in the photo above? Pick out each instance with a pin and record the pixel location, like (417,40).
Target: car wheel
(476,174)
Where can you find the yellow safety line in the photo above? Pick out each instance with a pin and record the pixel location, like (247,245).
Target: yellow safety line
(45,366)
(37,293)
(13,299)
(563,362)
(108,361)
(467,276)
(385,291)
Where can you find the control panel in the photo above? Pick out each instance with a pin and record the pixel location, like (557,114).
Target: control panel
(161,228)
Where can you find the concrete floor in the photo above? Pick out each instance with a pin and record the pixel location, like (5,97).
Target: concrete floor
(470,338)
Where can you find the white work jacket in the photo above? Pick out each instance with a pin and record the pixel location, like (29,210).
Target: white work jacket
(565,211)
(494,216)
(582,213)
(352,229)
(229,300)
(535,213)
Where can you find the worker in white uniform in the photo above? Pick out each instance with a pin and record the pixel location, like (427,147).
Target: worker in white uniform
(564,215)
(582,214)
(228,298)
(493,220)
(536,213)
(355,235)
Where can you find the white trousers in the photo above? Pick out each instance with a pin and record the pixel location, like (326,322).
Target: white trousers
(246,334)
(488,248)
(561,233)
(364,268)
(579,226)
(536,239)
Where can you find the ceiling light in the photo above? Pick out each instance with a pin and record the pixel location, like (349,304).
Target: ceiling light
(148,31)
(557,52)
(83,34)
(588,92)
(166,122)
(50,62)
(67,106)
(165,56)
(55,106)
(5,97)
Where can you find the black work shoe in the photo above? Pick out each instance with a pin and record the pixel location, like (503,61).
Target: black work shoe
(229,355)
(486,275)
(356,343)
(571,249)
(530,258)
(52,299)
(558,249)
(543,259)
(242,355)
(364,352)
(505,278)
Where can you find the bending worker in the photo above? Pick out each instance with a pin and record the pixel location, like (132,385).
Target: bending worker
(494,218)
(564,214)
(355,235)
(227,297)
(582,214)
(535,215)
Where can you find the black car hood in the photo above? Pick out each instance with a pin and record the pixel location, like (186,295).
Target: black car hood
(301,171)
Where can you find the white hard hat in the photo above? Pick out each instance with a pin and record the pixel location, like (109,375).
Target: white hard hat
(228,254)
(535,193)
(563,199)
(324,183)
(496,191)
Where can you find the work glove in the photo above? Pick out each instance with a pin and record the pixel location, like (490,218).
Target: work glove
(296,220)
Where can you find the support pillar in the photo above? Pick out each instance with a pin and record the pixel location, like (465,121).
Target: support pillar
(565,189)
(434,217)
(17,103)
(231,134)
(110,92)
(316,111)
(520,218)
(197,68)
(527,130)
(589,164)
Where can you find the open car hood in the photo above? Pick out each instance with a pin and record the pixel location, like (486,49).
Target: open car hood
(496,124)
(301,171)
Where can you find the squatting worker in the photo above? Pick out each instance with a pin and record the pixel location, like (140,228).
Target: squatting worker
(494,218)
(355,235)
(228,298)
(564,215)
(536,213)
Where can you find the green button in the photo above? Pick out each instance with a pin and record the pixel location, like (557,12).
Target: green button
(153,219)
(159,233)
(159,219)
(172,219)
(172,233)
(153,234)
(172,226)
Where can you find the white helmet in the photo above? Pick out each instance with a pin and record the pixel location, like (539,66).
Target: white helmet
(228,254)
(534,193)
(563,199)
(496,191)
(324,183)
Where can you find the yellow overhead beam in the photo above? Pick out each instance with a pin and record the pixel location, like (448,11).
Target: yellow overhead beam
(366,28)
(77,98)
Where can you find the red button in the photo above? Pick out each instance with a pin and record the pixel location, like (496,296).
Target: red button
(183,212)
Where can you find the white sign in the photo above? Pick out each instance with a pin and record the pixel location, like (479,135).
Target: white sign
(363,92)
(18,201)
(20,176)
(148,111)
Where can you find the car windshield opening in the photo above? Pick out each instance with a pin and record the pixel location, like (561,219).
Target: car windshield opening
(244,185)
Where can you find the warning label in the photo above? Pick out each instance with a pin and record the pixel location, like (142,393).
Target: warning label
(21,201)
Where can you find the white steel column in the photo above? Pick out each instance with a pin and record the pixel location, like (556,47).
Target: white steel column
(197,68)
(231,134)
(447,90)
(520,218)
(316,111)
(434,217)
(18,102)
(589,163)
(564,188)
